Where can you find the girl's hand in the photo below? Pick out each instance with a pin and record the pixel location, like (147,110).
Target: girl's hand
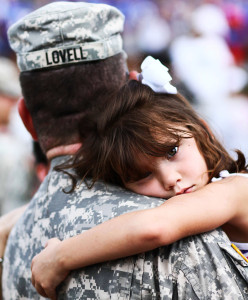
(47,270)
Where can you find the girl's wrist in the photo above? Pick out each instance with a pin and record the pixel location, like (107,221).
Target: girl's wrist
(62,257)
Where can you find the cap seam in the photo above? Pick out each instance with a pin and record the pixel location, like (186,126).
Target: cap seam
(60,29)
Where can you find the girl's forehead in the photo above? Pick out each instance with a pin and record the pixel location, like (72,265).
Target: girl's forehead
(172,135)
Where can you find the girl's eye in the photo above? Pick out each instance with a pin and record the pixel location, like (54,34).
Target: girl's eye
(172,152)
(143,177)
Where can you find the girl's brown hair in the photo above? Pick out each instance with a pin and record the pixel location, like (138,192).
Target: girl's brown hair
(138,122)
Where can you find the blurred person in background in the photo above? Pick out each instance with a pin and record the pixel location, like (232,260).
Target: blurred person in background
(148,34)
(204,62)
(9,90)
(237,17)
(16,161)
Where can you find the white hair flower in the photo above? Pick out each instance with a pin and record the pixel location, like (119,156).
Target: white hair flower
(156,76)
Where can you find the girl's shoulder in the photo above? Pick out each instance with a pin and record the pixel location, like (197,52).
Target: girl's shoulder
(224,174)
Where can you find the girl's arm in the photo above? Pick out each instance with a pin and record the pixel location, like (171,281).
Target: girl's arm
(135,232)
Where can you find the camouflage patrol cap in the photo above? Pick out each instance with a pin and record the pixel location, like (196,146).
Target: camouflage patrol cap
(65,33)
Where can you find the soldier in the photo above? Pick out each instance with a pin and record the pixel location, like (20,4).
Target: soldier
(69,55)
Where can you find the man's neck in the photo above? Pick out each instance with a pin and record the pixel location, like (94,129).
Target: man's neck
(63,150)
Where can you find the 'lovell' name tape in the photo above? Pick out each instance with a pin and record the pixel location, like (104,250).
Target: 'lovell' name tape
(65,55)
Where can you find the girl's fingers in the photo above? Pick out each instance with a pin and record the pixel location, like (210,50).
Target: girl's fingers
(51,294)
(40,290)
(33,281)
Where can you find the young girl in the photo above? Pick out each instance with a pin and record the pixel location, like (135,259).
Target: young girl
(152,143)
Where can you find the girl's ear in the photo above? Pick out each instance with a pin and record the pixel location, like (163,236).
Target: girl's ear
(26,118)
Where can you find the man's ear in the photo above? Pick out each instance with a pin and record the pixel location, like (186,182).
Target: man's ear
(26,118)
(133,75)
(41,171)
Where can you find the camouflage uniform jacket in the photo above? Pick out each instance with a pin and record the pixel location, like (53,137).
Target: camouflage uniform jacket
(198,267)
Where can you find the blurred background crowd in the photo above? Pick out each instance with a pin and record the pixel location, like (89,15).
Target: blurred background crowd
(204,44)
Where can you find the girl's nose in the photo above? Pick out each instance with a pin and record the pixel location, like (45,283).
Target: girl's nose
(169,175)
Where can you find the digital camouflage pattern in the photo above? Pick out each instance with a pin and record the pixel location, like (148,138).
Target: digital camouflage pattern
(199,267)
(65,33)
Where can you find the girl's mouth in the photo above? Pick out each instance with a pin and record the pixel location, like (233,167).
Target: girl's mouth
(186,190)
